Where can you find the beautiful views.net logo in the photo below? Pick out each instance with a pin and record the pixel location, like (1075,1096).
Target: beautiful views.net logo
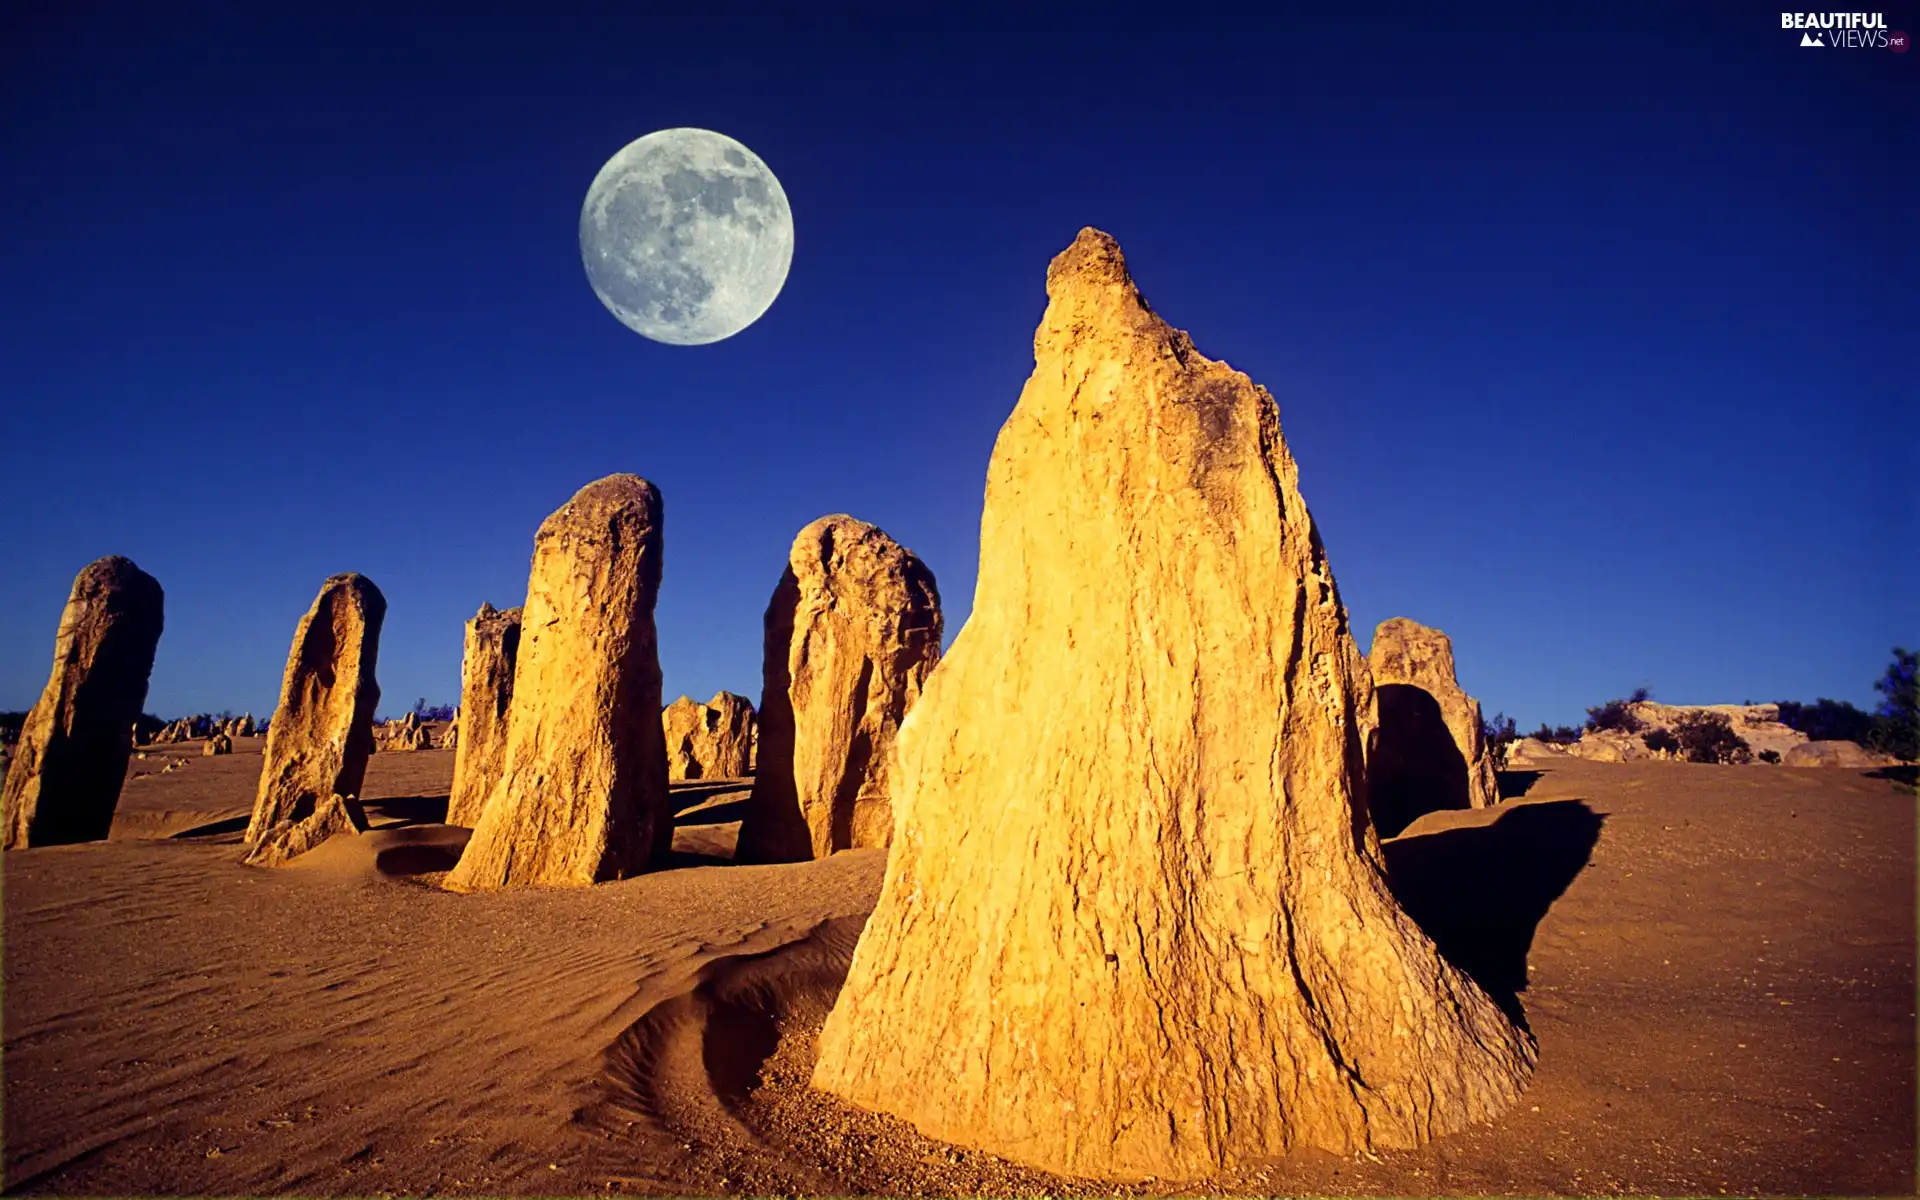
(1846,31)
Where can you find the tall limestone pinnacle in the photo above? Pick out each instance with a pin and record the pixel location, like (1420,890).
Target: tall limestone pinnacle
(66,774)
(581,794)
(1135,921)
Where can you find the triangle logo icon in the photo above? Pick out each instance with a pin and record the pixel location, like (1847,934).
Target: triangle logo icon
(1807,39)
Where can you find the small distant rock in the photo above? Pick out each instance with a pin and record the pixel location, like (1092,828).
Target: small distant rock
(407,733)
(219,743)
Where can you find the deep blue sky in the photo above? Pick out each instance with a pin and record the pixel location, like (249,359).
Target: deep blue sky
(1592,330)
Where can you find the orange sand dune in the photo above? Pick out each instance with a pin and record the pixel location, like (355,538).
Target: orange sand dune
(1718,963)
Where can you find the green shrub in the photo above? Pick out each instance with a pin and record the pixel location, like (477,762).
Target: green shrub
(1769,756)
(1708,737)
(1661,741)
(1616,716)
(1897,725)
(1499,732)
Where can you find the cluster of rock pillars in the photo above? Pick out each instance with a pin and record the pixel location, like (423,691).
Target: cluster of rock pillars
(1134,921)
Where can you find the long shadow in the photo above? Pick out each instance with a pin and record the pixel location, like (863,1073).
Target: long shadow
(719,814)
(1415,768)
(683,796)
(215,828)
(1481,892)
(1515,784)
(408,810)
(1905,778)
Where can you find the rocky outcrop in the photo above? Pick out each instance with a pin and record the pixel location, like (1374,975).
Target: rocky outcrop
(1533,751)
(709,741)
(218,744)
(852,634)
(582,795)
(1609,748)
(287,840)
(1835,754)
(322,733)
(1430,752)
(486,692)
(64,774)
(1756,724)
(405,733)
(1135,921)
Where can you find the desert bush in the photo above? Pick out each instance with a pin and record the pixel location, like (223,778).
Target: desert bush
(1661,741)
(1708,737)
(11,723)
(1556,733)
(1499,732)
(1828,720)
(1614,715)
(1769,756)
(1897,724)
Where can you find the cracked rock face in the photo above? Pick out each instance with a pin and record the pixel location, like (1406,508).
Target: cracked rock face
(63,783)
(486,691)
(322,733)
(852,634)
(1430,752)
(1135,921)
(709,741)
(582,795)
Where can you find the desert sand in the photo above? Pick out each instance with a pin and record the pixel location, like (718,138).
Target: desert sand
(1718,963)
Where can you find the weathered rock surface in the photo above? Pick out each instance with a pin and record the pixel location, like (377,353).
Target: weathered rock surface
(1835,754)
(1135,921)
(852,633)
(450,737)
(1429,752)
(1611,748)
(709,741)
(219,743)
(1532,750)
(322,733)
(288,840)
(486,691)
(582,795)
(64,775)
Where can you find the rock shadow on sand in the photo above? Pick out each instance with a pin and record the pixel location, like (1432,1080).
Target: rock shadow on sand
(1480,892)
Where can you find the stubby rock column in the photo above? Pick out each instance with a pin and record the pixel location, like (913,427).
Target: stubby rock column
(852,633)
(1430,752)
(582,795)
(1135,920)
(64,780)
(709,741)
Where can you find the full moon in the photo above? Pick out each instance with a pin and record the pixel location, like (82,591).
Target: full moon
(686,236)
